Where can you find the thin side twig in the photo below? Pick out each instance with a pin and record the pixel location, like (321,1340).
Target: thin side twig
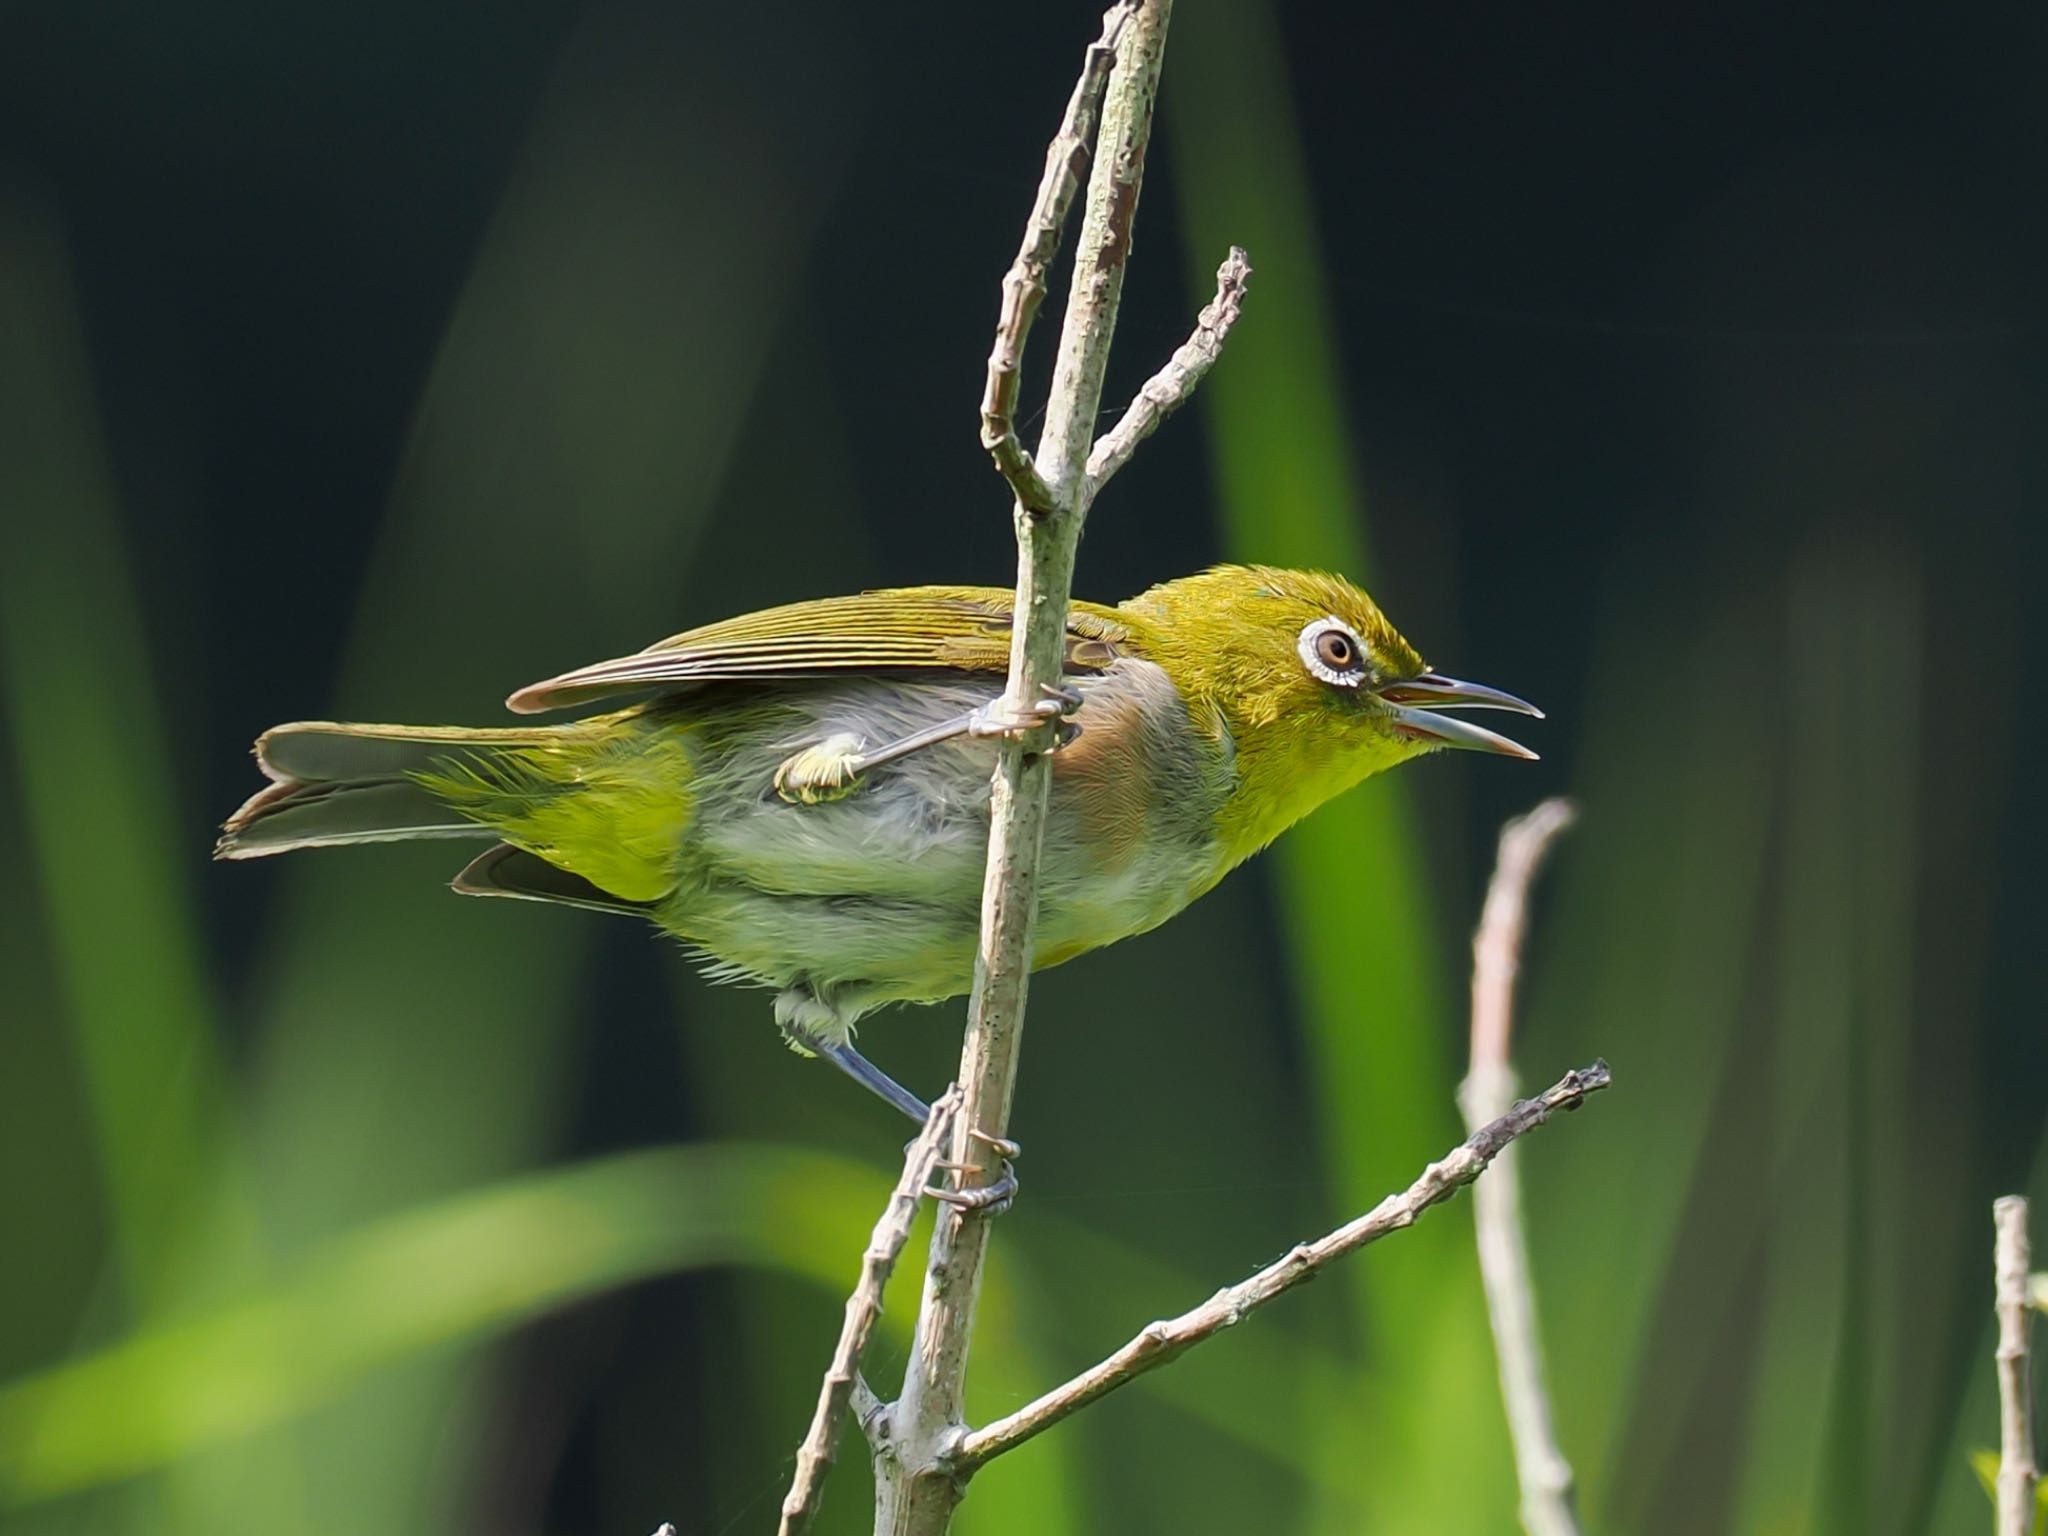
(1489,1087)
(1066,164)
(2017,1473)
(843,1381)
(915,1493)
(1163,1341)
(1170,388)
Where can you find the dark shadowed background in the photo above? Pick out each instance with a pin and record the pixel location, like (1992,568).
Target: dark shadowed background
(1683,372)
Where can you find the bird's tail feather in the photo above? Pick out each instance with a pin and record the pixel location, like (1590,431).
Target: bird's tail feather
(333,784)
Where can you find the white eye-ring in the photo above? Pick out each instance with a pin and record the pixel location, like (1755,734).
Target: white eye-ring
(1330,650)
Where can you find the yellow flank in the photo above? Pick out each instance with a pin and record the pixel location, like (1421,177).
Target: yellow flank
(609,802)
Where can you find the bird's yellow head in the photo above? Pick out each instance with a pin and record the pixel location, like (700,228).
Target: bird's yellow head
(1315,690)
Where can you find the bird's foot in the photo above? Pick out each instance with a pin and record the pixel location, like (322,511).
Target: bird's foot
(1057,702)
(994,1197)
(826,771)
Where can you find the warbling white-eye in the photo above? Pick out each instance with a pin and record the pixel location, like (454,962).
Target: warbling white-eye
(801,795)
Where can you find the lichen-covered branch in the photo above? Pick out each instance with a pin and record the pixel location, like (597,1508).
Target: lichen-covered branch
(843,1384)
(1161,1342)
(1540,1466)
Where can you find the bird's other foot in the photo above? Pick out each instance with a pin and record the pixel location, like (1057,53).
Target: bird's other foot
(825,771)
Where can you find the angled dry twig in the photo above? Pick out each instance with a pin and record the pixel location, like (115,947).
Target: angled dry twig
(1540,1466)
(1066,161)
(2017,1472)
(1168,389)
(843,1386)
(1162,1341)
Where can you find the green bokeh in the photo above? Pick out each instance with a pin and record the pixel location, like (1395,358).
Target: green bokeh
(375,368)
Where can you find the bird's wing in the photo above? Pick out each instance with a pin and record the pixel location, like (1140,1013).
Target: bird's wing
(956,628)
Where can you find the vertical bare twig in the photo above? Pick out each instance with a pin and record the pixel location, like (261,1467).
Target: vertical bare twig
(842,1378)
(1489,1087)
(2017,1473)
(916,1488)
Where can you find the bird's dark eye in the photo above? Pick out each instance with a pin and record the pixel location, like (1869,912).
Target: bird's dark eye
(1331,651)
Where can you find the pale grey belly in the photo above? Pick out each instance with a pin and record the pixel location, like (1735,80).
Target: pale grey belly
(876,897)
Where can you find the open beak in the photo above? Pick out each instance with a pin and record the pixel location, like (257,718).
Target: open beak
(1406,697)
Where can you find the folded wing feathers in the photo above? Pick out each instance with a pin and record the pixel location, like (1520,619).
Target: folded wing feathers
(957,628)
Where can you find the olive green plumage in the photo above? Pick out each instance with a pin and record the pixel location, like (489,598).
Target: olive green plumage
(1214,712)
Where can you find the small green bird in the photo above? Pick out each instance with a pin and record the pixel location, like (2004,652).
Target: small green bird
(802,794)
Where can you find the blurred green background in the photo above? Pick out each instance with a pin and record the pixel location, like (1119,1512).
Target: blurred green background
(1685,375)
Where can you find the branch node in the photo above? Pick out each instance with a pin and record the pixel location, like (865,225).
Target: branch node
(870,1412)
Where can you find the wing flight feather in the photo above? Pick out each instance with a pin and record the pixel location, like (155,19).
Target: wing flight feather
(955,628)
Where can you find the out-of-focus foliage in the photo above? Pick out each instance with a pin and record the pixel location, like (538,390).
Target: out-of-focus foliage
(375,361)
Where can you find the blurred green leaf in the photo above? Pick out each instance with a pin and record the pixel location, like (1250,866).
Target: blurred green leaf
(1648,972)
(94,770)
(114,866)
(453,1272)
(480,1264)
(1364,969)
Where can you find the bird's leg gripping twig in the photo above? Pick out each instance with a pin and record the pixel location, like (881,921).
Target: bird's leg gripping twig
(831,769)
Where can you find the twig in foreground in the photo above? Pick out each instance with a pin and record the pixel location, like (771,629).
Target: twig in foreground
(2016,1470)
(1540,1466)
(1169,389)
(842,1378)
(1066,161)
(1162,1341)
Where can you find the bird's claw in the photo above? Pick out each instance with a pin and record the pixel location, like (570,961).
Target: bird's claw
(1061,699)
(989,1199)
(992,1198)
(1002,1146)
(1057,701)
